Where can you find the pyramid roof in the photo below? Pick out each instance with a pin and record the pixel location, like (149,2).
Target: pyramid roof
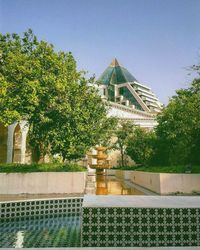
(115,74)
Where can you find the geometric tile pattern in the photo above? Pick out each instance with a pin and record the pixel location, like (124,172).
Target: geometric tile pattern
(23,209)
(140,227)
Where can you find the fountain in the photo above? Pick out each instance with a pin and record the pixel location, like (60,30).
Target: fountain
(99,160)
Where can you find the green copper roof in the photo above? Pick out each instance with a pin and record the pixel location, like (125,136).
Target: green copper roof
(115,74)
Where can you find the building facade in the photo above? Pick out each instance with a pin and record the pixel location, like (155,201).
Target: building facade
(128,98)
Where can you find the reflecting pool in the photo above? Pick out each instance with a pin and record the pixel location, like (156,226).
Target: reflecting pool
(109,185)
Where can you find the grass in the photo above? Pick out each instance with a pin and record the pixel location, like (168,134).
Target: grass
(47,167)
(162,169)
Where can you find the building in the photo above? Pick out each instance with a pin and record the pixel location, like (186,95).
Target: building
(129,99)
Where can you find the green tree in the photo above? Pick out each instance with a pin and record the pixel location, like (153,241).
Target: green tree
(178,130)
(122,134)
(18,88)
(83,126)
(140,146)
(66,116)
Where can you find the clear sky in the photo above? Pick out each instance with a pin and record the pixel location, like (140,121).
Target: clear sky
(156,40)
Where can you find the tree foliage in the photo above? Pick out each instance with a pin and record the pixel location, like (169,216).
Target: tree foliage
(122,134)
(140,146)
(44,87)
(178,130)
(176,140)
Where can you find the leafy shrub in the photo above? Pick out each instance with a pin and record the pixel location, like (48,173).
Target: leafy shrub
(29,168)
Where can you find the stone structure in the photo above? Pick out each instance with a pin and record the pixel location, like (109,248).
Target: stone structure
(128,99)
(98,159)
(13,143)
(42,183)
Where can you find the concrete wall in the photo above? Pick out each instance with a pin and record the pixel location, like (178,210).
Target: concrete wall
(110,171)
(164,183)
(127,174)
(123,174)
(185,183)
(119,174)
(147,180)
(161,183)
(42,183)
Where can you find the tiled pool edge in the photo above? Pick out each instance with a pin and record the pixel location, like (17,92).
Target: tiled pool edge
(72,206)
(116,221)
(10,210)
(110,248)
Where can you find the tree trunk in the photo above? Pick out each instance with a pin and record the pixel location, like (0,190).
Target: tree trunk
(122,156)
(36,155)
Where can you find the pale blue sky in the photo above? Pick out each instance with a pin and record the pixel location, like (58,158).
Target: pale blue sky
(154,39)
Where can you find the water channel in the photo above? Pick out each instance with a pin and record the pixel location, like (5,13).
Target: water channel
(110,185)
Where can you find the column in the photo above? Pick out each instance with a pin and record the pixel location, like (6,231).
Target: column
(11,129)
(24,130)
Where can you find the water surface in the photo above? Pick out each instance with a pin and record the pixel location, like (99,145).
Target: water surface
(54,231)
(110,185)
